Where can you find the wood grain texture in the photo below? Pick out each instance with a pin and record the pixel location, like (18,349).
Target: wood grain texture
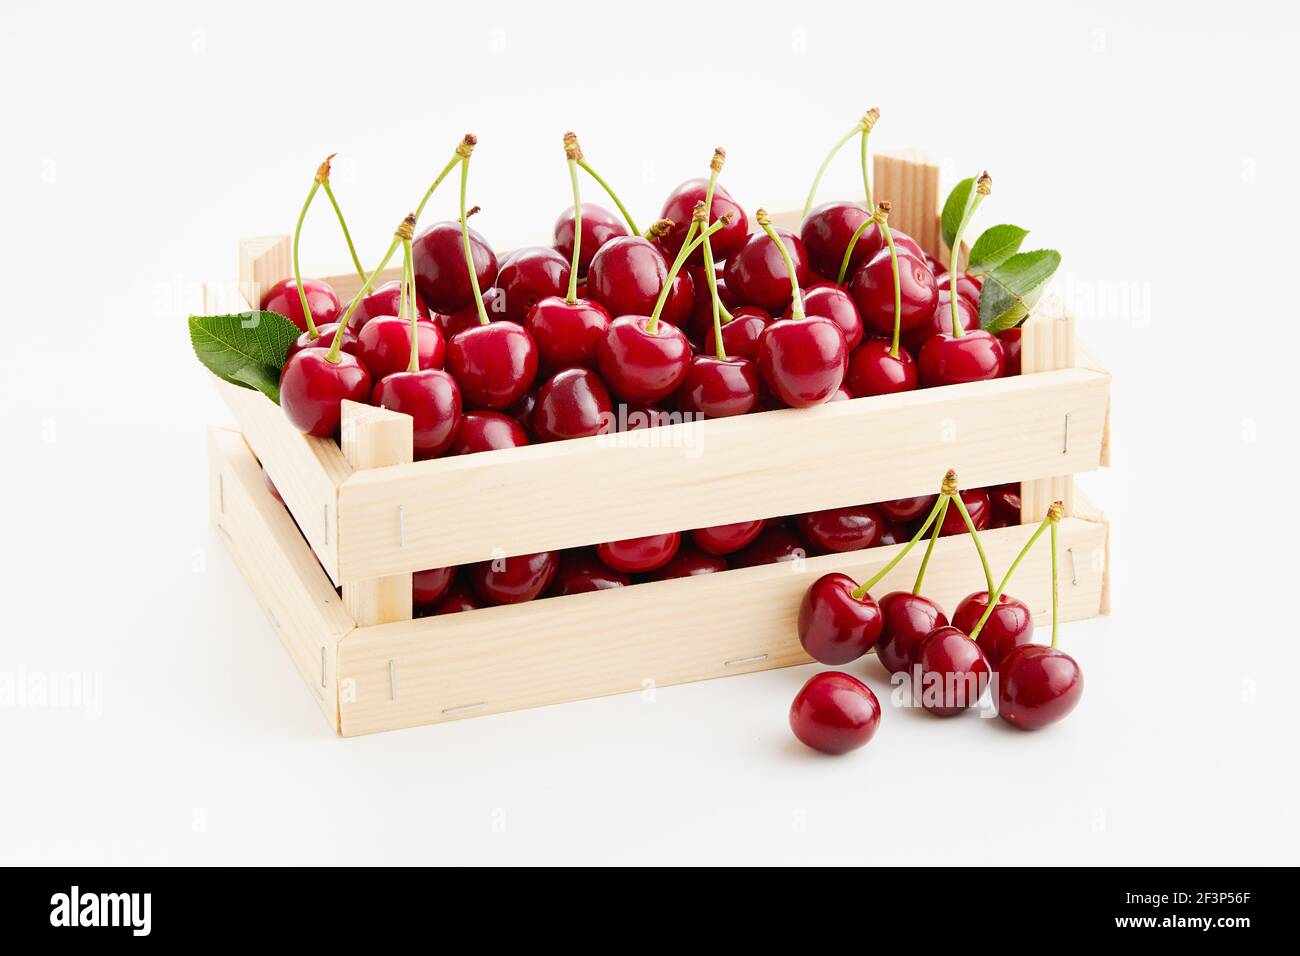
(262,263)
(304,609)
(651,635)
(910,182)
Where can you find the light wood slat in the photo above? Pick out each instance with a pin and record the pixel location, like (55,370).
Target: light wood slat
(911,185)
(262,263)
(1047,346)
(1086,509)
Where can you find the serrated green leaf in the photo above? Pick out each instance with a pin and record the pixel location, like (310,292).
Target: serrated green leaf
(261,377)
(953,207)
(247,349)
(995,246)
(1011,289)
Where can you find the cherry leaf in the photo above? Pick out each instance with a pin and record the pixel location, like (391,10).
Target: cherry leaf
(1011,289)
(995,246)
(247,349)
(953,208)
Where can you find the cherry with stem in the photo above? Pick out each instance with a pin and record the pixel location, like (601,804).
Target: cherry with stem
(323,177)
(862,127)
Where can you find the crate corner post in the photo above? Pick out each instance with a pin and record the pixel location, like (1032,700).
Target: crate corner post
(263,262)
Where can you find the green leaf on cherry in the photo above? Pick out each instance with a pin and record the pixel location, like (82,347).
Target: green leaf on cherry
(247,349)
(953,208)
(995,246)
(1011,289)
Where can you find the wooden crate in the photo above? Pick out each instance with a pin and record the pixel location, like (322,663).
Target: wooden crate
(361,515)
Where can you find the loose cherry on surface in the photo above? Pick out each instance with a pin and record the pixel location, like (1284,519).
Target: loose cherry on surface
(311,388)
(740,334)
(1009,625)
(441,275)
(841,529)
(757,273)
(718,387)
(487,431)
(951,670)
(384,344)
(947,359)
(573,403)
(727,538)
(429,587)
(1005,500)
(978,507)
(636,555)
(907,619)
(831,302)
(324,335)
(678,208)
(837,622)
(1037,686)
(513,580)
(458,598)
(527,276)
(581,571)
(872,289)
(688,562)
(431,397)
(874,369)
(495,364)
(599,226)
(322,300)
(834,713)
(773,545)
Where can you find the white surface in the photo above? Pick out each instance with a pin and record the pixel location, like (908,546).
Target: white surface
(139,149)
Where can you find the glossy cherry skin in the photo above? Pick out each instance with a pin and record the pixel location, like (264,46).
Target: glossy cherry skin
(941,321)
(873,370)
(573,403)
(700,323)
(773,545)
(384,344)
(432,398)
(679,207)
(841,529)
(872,289)
(906,620)
(636,416)
(718,388)
(627,274)
(831,302)
(321,299)
(834,626)
(495,364)
(384,299)
(311,389)
(1009,626)
(438,256)
(968,287)
(740,335)
(834,713)
(513,580)
(946,360)
(1010,339)
(428,588)
(727,538)
(494,303)
(529,275)
(977,505)
(581,571)
(803,361)
(459,598)
(324,338)
(1037,686)
(951,670)
(599,226)
(487,431)
(639,366)
(907,509)
(757,272)
(826,232)
(567,334)
(892,532)
(1005,500)
(636,555)
(688,562)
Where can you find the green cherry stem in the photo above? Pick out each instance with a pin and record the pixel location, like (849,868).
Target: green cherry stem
(853,244)
(974,536)
(796,297)
(710,272)
(297,233)
(404,233)
(323,177)
(466,148)
(862,126)
(929,548)
(463,149)
(1053,517)
(612,195)
(573,155)
(866,166)
(946,490)
(983,186)
(882,216)
(408,288)
(688,247)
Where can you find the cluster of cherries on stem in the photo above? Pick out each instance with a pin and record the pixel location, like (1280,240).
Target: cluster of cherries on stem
(986,647)
(697,317)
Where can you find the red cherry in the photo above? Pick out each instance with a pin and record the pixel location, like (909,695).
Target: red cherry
(773,545)
(467,318)
(513,580)
(599,226)
(1037,686)
(941,321)
(573,404)
(872,289)
(688,562)
(459,598)
(581,571)
(311,389)
(968,287)
(841,529)
(429,396)
(487,431)
(836,627)
(874,371)
(892,532)
(1009,626)
(700,324)
(826,232)
(757,273)
(324,338)
(640,366)
(802,360)
(832,302)
(740,335)
(384,344)
(834,713)
(908,509)
(429,587)
(1005,500)
(640,554)
(952,672)
(494,364)
(438,256)
(567,334)
(946,360)
(906,620)
(1010,339)
(529,275)
(679,206)
(977,505)
(718,388)
(385,299)
(321,299)
(726,538)
(638,416)
(627,274)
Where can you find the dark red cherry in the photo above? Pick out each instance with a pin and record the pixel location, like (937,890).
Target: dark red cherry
(311,389)
(438,256)
(826,232)
(385,299)
(946,360)
(639,366)
(740,335)
(1037,686)
(718,388)
(635,416)
(977,505)
(513,580)
(773,545)
(627,274)
(636,555)
(567,335)
(841,529)
(873,370)
(802,360)
(1005,500)
(1010,339)
(941,321)
(832,302)
(907,509)
(324,338)
(495,364)
(834,713)
(522,410)
(756,273)
(700,323)
(872,289)
(1010,625)
(487,431)
(834,626)
(384,344)
(573,404)
(906,620)
(431,397)
(968,287)
(688,562)
(951,672)
(679,206)
(726,538)
(892,532)
(581,571)
(467,318)
(429,587)
(529,275)
(599,226)
(321,299)
(459,598)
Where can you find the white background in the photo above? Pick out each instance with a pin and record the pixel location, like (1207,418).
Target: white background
(1155,150)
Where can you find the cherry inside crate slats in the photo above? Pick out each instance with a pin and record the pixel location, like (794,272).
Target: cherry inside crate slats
(360,515)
